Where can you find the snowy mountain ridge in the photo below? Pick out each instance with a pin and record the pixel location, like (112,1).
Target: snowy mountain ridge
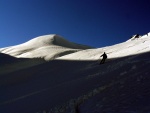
(54,46)
(47,47)
(132,46)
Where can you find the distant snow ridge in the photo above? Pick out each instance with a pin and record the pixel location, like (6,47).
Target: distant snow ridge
(47,47)
(137,36)
(133,46)
(48,40)
(54,46)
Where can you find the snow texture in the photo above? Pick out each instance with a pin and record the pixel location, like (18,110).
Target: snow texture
(47,47)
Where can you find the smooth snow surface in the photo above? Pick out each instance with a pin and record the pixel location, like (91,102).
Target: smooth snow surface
(75,82)
(130,47)
(47,47)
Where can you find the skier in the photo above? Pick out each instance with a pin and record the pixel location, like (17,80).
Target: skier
(104,58)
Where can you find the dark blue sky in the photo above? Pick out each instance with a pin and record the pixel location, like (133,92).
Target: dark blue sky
(96,23)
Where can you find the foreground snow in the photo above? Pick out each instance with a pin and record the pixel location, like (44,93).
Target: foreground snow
(75,83)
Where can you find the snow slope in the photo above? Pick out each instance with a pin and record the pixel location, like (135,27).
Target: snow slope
(75,83)
(47,47)
(10,64)
(130,47)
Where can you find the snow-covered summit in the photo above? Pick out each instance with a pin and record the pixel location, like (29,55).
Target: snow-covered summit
(47,47)
(53,39)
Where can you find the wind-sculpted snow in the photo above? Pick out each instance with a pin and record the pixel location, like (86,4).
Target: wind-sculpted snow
(47,47)
(76,83)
